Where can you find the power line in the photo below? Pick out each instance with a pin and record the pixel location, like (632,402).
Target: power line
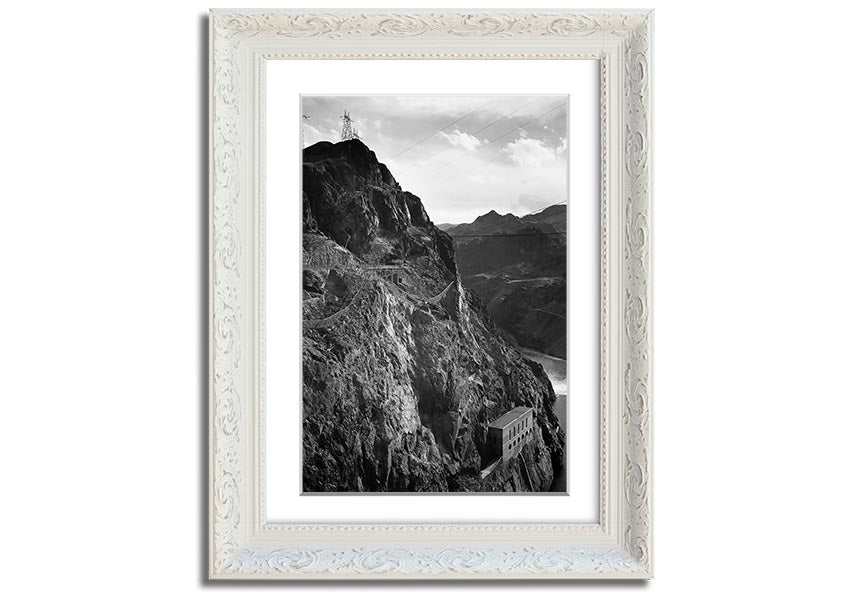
(489,235)
(413,166)
(540,116)
(425,139)
(495,140)
(503,118)
(550,313)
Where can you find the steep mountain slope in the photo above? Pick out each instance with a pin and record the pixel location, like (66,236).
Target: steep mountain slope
(555,215)
(403,370)
(517,266)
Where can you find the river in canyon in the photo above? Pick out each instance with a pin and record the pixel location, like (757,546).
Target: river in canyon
(556,369)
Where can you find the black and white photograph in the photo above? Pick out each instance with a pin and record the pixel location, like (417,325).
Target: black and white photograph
(483,299)
(434,293)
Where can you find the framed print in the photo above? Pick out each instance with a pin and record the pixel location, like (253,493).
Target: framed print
(450,403)
(430,295)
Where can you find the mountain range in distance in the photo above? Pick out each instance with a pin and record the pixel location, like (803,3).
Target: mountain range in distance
(518,267)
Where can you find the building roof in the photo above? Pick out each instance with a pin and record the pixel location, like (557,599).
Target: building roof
(510,416)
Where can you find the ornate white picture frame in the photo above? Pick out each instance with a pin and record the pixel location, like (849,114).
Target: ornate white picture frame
(242,543)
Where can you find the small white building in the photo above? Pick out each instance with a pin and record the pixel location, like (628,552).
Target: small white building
(509,433)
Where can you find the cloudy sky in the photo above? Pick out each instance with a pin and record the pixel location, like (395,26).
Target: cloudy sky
(463,155)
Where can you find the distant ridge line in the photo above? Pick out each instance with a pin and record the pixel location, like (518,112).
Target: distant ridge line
(484,235)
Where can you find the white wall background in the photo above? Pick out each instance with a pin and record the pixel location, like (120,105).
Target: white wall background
(102,246)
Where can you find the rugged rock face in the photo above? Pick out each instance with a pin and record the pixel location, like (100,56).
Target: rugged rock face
(403,369)
(518,268)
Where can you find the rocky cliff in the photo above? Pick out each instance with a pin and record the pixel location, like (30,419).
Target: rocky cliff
(517,266)
(402,367)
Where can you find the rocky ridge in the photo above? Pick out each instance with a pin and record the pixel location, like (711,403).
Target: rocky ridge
(403,369)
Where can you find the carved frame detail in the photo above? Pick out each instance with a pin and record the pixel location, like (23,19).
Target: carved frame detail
(242,545)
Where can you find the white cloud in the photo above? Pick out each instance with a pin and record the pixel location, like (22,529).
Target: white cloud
(314,134)
(529,152)
(462,140)
(479,178)
(460,184)
(562,147)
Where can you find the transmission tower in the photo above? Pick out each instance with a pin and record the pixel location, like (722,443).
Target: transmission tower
(349,132)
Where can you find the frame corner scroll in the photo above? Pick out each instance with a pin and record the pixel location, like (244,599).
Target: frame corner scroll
(240,549)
